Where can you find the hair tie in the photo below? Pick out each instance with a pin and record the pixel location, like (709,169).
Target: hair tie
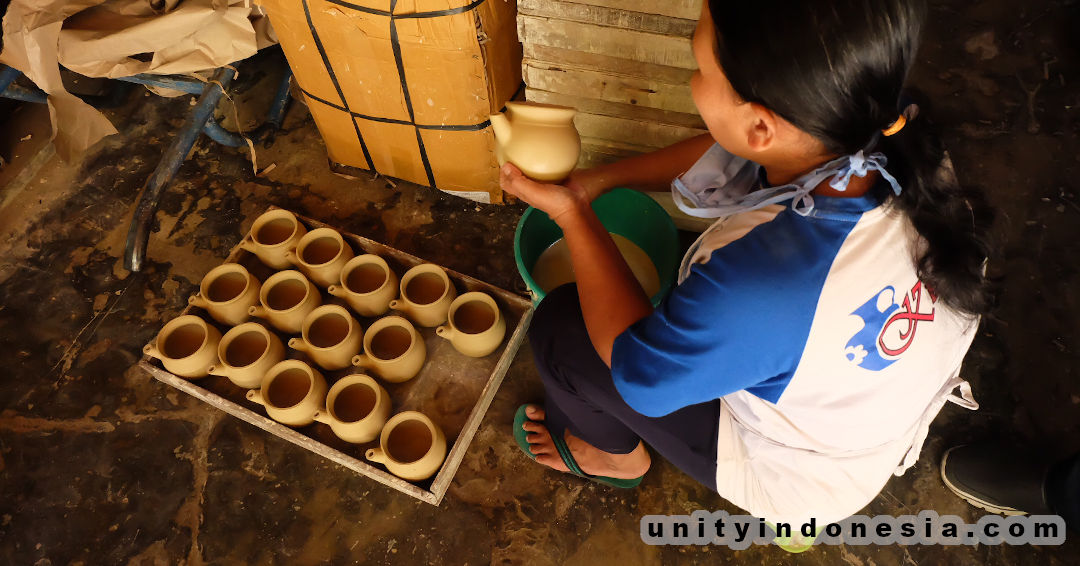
(896,126)
(910,112)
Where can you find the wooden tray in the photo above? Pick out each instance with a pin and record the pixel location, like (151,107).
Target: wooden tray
(453,389)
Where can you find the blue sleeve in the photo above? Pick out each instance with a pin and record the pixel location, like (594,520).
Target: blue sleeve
(740,321)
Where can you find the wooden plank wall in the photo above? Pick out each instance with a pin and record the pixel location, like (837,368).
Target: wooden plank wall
(624,64)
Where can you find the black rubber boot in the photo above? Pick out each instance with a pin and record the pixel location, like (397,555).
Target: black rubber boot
(999,479)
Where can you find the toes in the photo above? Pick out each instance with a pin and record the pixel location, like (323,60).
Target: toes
(534,427)
(552,461)
(541,449)
(540,444)
(538,438)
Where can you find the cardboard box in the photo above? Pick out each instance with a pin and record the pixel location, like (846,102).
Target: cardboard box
(405,87)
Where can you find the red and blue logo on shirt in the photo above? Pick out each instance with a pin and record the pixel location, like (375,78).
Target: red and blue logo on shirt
(889,326)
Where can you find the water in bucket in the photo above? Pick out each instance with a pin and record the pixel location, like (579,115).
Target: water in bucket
(629,214)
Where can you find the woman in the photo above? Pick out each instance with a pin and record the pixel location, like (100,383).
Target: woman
(819,325)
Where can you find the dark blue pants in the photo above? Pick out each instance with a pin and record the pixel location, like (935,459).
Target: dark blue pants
(579,395)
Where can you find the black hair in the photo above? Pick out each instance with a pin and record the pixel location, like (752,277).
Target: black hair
(836,70)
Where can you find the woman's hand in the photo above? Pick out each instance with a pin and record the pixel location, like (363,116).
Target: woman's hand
(553,199)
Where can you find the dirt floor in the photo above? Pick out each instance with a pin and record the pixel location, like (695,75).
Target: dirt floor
(100,464)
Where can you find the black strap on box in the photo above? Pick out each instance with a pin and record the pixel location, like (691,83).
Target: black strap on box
(396,46)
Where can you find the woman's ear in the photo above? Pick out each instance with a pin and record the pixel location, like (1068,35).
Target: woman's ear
(762,127)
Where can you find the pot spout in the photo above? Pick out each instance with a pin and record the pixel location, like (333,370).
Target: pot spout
(501,126)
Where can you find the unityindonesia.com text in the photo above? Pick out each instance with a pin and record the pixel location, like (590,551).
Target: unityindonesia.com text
(927,528)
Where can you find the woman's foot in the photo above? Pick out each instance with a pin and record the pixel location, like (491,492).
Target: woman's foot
(590,459)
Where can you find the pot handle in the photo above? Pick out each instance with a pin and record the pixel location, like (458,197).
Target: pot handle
(255,395)
(375,455)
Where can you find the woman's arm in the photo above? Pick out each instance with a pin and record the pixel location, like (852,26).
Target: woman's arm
(611,298)
(651,171)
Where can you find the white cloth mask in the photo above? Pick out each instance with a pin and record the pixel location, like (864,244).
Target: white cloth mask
(722,184)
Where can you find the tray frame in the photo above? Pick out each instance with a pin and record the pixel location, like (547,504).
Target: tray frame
(522,307)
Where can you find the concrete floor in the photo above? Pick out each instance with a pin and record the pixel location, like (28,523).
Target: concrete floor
(100,464)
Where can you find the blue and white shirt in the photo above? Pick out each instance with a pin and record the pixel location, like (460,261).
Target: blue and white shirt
(829,355)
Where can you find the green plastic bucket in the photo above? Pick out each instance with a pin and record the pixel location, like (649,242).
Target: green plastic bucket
(625,212)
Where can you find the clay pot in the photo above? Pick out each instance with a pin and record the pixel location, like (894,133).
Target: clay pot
(540,139)
(476,327)
(321,254)
(410,446)
(330,336)
(186,346)
(367,285)
(393,349)
(292,392)
(286,298)
(226,293)
(426,295)
(356,409)
(246,353)
(272,235)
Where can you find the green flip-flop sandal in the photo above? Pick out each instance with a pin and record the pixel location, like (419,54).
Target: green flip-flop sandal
(520,418)
(794,544)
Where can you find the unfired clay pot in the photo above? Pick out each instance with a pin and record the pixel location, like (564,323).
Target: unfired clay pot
(330,336)
(292,392)
(285,300)
(410,446)
(393,349)
(475,326)
(227,292)
(321,254)
(186,346)
(426,294)
(272,235)
(540,139)
(356,409)
(246,353)
(367,284)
